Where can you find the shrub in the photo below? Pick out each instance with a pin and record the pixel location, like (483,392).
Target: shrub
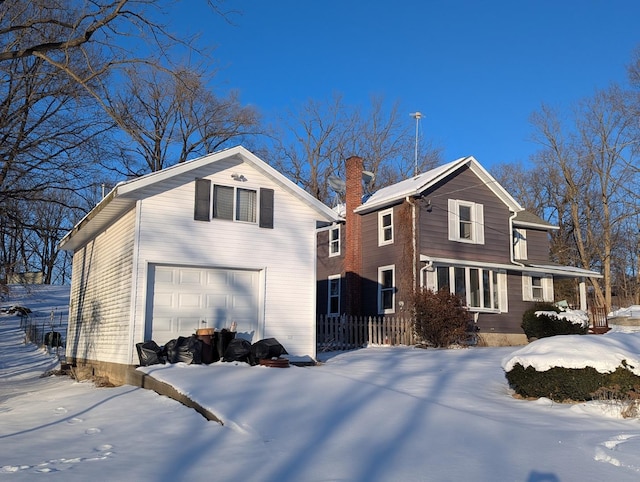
(440,319)
(543,325)
(564,384)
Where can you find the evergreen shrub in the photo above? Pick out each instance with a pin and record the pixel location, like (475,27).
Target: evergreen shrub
(541,326)
(574,384)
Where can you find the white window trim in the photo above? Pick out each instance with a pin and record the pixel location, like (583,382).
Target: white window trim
(329,279)
(235,204)
(381,228)
(338,241)
(520,243)
(477,221)
(547,287)
(381,269)
(431,282)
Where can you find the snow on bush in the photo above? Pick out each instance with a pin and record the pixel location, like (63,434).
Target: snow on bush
(605,353)
(576,317)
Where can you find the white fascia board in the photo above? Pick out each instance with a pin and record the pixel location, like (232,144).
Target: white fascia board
(494,185)
(550,269)
(130,190)
(520,224)
(423,181)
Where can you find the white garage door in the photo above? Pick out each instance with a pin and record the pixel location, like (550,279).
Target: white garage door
(186,298)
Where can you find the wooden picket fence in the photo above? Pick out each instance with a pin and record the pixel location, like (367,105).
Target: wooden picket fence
(350,332)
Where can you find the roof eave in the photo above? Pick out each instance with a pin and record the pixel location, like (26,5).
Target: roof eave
(129,191)
(525,224)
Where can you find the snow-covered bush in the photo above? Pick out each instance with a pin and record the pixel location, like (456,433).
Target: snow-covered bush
(440,318)
(549,320)
(563,368)
(573,384)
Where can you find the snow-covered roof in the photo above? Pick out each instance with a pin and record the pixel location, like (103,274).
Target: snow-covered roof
(417,184)
(561,270)
(125,194)
(550,268)
(528,219)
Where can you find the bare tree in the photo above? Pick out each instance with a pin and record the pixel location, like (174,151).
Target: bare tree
(171,116)
(58,60)
(315,139)
(593,195)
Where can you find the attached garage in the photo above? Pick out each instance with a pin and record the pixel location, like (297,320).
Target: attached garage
(183,299)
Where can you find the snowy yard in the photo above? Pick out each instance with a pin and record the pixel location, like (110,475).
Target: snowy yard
(376,414)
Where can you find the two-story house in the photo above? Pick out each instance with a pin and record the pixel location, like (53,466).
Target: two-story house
(453,227)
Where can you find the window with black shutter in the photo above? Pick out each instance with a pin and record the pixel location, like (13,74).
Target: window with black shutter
(266,208)
(202,206)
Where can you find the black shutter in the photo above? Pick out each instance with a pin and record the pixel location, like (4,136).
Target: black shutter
(202,204)
(266,208)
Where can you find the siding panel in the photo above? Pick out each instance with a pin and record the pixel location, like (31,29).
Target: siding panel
(99,312)
(285,254)
(465,185)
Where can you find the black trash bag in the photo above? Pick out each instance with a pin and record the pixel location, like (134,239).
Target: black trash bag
(53,339)
(184,349)
(267,348)
(239,350)
(221,340)
(150,353)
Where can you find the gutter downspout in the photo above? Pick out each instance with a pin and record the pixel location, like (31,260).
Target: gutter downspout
(511,257)
(414,242)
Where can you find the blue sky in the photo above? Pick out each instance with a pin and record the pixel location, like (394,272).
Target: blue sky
(475,69)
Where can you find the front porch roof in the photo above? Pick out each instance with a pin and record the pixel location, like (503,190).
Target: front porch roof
(558,270)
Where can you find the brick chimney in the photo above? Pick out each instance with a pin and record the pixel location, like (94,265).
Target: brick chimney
(353,236)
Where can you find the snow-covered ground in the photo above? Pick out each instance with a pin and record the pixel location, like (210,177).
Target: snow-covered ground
(376,414)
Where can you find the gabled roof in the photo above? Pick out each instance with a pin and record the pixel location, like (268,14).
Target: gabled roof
(125,194)
(420,183)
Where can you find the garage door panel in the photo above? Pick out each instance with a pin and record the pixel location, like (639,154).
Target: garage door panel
(184,298)
(164,275)
(217,279)
(242,280)
(190,277)
(188,325)
(188,301)
(164,300)
(163,324)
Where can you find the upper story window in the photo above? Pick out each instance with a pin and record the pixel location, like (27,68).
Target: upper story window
(234,204)
(334,241)
(520,243)
(386,289)
(385,227)
(466,221)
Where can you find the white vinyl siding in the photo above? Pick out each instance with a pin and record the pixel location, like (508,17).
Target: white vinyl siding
(537,288)
(99,313)
(284,255)
(466,221)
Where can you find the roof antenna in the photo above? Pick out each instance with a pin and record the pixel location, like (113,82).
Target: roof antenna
(417,116)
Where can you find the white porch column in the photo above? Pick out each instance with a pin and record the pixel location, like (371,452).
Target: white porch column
(582,288)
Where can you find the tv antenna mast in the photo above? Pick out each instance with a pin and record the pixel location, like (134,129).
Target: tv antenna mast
(417,116)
